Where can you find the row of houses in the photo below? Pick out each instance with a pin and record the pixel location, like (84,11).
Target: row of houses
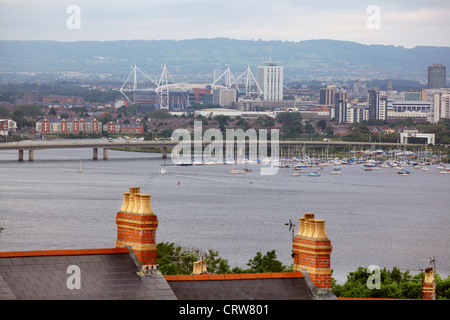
(76,125)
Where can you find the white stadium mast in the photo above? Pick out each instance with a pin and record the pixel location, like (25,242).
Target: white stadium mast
(133,72)
(229,79)
(163,90)
(250,82)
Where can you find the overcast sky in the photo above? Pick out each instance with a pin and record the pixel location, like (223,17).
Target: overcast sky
(404,23)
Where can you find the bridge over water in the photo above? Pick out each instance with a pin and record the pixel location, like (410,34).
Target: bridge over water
(95,145)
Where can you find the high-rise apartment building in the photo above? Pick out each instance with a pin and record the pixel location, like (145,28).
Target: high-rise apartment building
(436,76)
(340,111)
(270,80)
(440,106)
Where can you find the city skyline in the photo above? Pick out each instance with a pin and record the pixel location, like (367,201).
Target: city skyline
(404,23)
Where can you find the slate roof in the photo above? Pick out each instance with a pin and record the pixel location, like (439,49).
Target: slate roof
(109,274)
(105,274)
(259,286)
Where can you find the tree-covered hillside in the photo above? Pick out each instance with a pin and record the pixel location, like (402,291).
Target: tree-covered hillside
(198,58)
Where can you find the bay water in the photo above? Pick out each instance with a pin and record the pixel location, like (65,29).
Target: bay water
(372,218)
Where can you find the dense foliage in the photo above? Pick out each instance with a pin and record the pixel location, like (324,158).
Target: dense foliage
(393,284)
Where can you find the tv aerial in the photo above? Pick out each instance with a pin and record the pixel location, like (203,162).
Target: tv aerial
(290,224)
(291,227)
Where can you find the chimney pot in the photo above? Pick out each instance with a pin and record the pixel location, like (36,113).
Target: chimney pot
(199,267)
(145,205)
(308,217)
(319,230)
(301,227)
(137,203)
(311,229)
(429,275)
(126,199)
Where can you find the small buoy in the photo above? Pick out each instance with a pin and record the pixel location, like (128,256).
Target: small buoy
(178,182)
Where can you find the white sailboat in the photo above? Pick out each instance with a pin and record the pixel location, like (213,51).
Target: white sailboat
(80,169)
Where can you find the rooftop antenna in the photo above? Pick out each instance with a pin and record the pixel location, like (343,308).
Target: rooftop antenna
(432,261)
(290,224)
(291,228)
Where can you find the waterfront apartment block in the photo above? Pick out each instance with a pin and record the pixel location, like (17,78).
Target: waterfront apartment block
(7,125)
(117,128)
(67,126)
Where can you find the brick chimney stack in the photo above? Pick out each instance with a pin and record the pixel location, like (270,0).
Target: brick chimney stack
(429,285)
(136,226)
(312,252)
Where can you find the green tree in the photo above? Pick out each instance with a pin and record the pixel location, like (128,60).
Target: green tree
(289,118)
(263,263)
(107,118)
(309,128)
(322,124)
(52,112)
(4,111)
(160,114)
(329,130)
(292,124)
(269,122)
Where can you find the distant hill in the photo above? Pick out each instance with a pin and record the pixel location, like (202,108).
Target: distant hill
(193,60)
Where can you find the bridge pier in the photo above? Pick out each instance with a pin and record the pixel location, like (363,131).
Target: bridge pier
(95,154)
(105,154)
(20,155)
(30,155)
(164,152)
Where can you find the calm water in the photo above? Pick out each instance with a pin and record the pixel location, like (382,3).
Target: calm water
(372,218)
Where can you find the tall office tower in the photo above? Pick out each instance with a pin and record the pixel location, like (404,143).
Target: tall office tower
(328,96)
(436,76)
(270,80)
